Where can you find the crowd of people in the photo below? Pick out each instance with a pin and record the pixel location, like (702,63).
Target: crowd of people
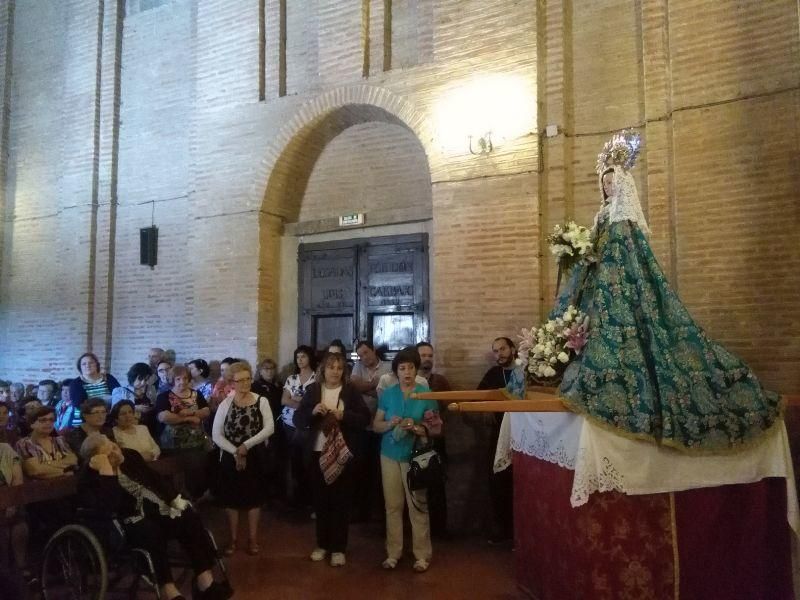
(333,441)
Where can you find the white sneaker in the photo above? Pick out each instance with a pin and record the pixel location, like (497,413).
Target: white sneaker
(421,566)
(337,559)
(317,554)
(389,563)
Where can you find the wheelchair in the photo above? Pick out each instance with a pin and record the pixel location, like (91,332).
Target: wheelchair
(87,559)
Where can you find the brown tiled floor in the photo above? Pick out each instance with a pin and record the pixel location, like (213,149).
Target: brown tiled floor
(466,568)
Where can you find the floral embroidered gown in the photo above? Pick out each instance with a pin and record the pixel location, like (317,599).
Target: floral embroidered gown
(648,370)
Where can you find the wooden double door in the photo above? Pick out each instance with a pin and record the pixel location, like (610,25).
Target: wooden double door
(373,288)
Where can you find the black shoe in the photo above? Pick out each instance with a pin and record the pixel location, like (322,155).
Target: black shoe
(500,540)
(216,591)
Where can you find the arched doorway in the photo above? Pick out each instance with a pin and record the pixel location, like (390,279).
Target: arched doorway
(355,158)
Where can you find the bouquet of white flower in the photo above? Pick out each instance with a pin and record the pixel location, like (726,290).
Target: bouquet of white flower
(570,244)
(545,351)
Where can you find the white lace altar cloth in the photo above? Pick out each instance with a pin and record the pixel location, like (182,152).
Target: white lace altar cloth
(604,461)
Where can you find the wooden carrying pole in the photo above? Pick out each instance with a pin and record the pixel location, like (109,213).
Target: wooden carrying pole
(541,403)
(535,401)
(496,401)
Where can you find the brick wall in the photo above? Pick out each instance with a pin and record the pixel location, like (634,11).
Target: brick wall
(712,86)
(48,213)
(371,167)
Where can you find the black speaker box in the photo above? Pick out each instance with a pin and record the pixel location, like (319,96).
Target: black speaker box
(148,246)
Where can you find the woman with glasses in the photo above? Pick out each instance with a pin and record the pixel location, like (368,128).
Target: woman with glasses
(44,455)
(242,425)
(95,414)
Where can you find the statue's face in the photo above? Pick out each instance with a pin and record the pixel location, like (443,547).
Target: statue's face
(608,184)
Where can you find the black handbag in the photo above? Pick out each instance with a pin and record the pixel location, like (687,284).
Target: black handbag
(426,467)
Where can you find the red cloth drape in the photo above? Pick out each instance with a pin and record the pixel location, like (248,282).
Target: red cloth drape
(732,541)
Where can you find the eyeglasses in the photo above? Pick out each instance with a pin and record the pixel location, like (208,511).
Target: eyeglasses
(46,420)
(242,380)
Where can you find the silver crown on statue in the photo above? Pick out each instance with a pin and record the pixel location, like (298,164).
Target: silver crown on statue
(622,150)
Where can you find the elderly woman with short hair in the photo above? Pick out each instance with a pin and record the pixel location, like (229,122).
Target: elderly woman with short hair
(118,482)
(267,384)
(242,425)
(182,410)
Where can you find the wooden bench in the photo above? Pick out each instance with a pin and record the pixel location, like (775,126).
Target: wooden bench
(38,490)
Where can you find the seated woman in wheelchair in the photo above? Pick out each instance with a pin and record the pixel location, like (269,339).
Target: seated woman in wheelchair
(118,482)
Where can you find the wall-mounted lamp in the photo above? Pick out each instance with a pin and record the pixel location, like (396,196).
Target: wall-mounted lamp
(502,105)
(484,144)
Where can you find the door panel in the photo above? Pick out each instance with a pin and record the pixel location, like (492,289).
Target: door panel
(375,289)
(332,327)
(327,294)
(393,331)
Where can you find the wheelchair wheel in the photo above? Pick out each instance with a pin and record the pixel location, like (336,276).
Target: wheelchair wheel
(74,566)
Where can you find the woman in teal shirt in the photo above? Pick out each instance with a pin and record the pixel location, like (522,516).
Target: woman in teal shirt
(400,420)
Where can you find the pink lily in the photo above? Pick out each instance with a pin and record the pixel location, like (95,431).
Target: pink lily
(577,336)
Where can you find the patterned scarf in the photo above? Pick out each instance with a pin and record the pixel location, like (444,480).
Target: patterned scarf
(334,456)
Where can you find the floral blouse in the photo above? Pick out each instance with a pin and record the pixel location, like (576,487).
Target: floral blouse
(27,448)
(296,388)
(242,423)
(184,435)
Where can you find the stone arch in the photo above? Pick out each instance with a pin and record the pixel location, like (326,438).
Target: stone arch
(333,111)
(288,164)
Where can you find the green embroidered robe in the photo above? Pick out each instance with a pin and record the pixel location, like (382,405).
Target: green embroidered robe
(648,370)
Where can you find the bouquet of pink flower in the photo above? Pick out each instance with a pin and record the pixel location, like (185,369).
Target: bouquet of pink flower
(545,351)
